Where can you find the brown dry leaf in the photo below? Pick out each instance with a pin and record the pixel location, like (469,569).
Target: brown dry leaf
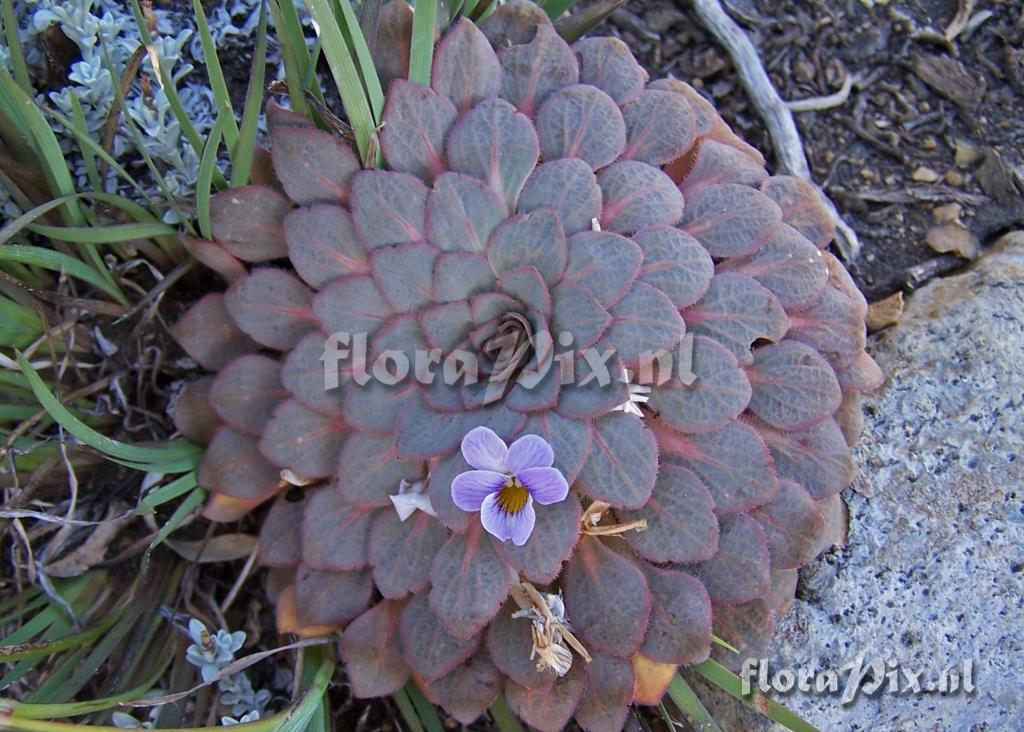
(224,509)
(650,679)
(948,77)
(885,312)
(93,550)
(953,237)
(223,548)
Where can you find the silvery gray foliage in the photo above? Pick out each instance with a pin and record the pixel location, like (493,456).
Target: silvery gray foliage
(212,652)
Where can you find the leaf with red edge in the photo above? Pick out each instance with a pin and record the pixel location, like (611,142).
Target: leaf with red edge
(608,694)
(233,466)
(335,531)
(793,526)
(465,67)
(680,627)
(623,462)
(525,285)
(833,326)
(675,263)
(514,23)
(374,406)
(818,458)
(305,441)
(322,244)
(659,127)
(802,208)
(535,239)
(388,207)
(280,543)
(719,392)
(401,552)
(405,274)
(780,597)
(246,221)
(352,305)
(850,417)
(644,323)
(212,255)
(793,387)
(711,162)
(416,119)
(862,374)
(246,392)
(569,187)
(637,195)
(788,265)
(193,415)
(551,543)
(469,583)
(607,599)
(278,116)
(462,212)
(579,313)
(445,327)
(439,488)
(533,71)
(272,307)
(604,263)
(730,220)
(736,311)
(422,432)
(510,644)
(209,335)
(570,439)
(738,573)
(582,122)
(459,276)
(372,652)
(429,649)
(496,144)
(608,64)
(537,388)
(323,597)
(313,165)
(748,627)
(393,41)
(680,515)
(368,470)
(733,463)
(594,388)
(548,710)
(304,375)
(470,689)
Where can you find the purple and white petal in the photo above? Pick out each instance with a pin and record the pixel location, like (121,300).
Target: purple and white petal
(504,525)
(484,450)
(469,489)
(546,485)
(529,451)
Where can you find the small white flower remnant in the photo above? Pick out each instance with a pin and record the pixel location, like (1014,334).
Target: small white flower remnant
(549,628)
(211,652)
(410,497)
(638,394)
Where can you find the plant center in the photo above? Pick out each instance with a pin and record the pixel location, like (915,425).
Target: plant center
(512,496)
(512,344)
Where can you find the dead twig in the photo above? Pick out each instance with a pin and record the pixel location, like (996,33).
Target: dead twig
(829,101)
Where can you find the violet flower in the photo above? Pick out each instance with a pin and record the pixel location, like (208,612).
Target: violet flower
(506,482)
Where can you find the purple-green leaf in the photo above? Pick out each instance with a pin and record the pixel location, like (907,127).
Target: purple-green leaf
(862,374)
(247,222)
(802,208)
(637,195)
(323,597)
(675,263)
(716,163)
(608,64)
(388,207)
(793,387)
(623,462)
(401,552)
(272,307)
(431,650)
(730,220)
(833,325)
(352,305)
(788,265)
(405,274)
(304,375)
(416,119)
(569,187)
(246,392)
(548,710)
(193,415)
(595,388)
(747,627)
(509,643)
(644,323)
(659,127)
(372,651)
(439,488)
(793,526)
(335,531)
(209,335)
(818,458)
(738,573)
(604,263)
(579,313)
(680,628)
(569,438)
(462,212)
(532,71)
(459,276)
(470,689)
(322,244)
(608,694)
(465,68)
(280,543)
(312,165)
(445,327)
(374,406)
(582,122)
(369,471)
(305,441)
(423,433)
(233,466)
(551,543)
(534,239)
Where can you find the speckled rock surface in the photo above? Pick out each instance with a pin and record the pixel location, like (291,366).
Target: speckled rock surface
(933,570)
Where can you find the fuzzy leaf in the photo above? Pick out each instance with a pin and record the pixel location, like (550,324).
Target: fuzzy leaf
(569,187)
(372,651)
(233,466)
(863,374)
(577,312)
(465,68)
(537,388)
(272,307)
(680,629)
(833,325)
(246,392)
(748,627)
(681,523)
(659,127)
(818,458)
(788,265)
(675,263)
(801,208)
(213,256)
(422,432)
(739,572)
(736,311)
(445,327)
(570,439)
(509,644)
(644,322)
(514,23)
(459,276)
(405,274)
(793,526)
(305,441)
(608,64)
(375,406)
(322,244)
(730,220)
(496,144)
(303,374)
(439,488)
(608,695)
(551,543)
(718,394)
(714,163)
(331,598)
(596,388)
(533,71)
(312,165)
(335,532)
(470,689)
(637,195)
(401,552)
(368,470)
(604,263)
(247,222)
(549,710)
(623,462)
(793,387)
(732,462)
(388,207)
(393,41)
(351,305)
(525,285)
(429,649)
(193,415)
(535,239)
(280,542)
(209,335)
(581,122)
(850,417)
(461,213)
(416,119)
(606,597)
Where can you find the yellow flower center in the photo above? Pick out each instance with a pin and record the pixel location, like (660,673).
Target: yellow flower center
(512,496)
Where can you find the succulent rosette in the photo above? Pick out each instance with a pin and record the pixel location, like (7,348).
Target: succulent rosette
(542,532)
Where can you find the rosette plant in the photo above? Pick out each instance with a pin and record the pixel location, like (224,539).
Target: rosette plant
(547,534)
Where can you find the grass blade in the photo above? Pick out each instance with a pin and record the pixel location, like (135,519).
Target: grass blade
(729,682)
(407,710)
(689,704)
(245,147)
(424,709)
(165,493)
(215,74)
(555,8)
(421,55)
(192,501)
(368,72)
(17,56)
(103,234)
(56,261)
(503,717)
(204,180)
